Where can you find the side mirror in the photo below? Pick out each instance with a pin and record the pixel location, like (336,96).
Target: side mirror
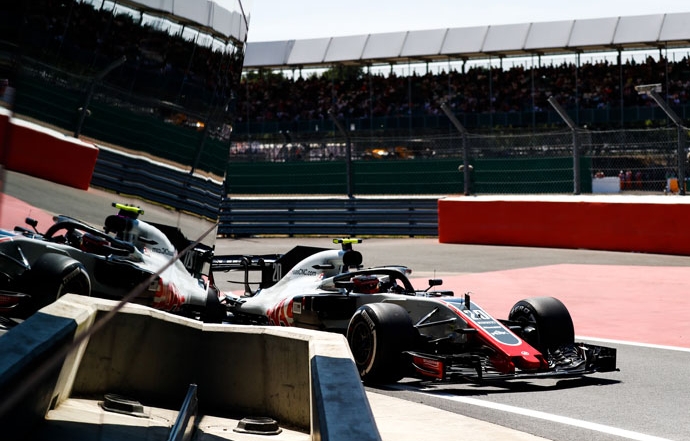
(435,282)
(32,223)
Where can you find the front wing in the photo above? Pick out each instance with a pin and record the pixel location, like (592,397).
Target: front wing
(477,367)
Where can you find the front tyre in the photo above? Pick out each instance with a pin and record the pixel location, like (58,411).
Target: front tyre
(54,275)
(378,333)
(545,321)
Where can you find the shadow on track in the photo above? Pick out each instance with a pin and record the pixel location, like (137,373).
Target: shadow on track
(497,387)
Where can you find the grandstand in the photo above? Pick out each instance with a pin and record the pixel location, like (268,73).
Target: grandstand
(175,98)
(166,71)
(661,31)
(397,81)
(151,83)
(227,21)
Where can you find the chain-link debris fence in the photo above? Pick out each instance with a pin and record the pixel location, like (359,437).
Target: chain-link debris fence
(556,162)
(641,160)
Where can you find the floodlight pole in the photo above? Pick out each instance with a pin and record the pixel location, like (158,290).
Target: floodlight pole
(348,150)
(651,90)
(576,142)
(465,151)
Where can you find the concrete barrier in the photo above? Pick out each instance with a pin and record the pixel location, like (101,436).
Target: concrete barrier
(647,224)
(44,153)
(289,374)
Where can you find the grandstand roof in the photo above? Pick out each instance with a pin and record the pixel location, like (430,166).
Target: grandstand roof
(525,39)
(228,23)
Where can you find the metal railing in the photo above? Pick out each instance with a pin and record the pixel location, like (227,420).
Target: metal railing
(380,216)
(170,186)
(383,216)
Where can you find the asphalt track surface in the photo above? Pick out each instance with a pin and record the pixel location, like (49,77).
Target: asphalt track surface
(635,302)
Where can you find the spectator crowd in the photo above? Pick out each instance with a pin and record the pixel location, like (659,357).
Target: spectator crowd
(596,85)
(83,37)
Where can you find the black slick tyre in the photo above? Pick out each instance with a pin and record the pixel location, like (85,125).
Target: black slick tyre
(214,312)
(546,322)
(54,275)
(377,334)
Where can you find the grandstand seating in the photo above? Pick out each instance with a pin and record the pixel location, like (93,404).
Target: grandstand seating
(172,69)
(599,94)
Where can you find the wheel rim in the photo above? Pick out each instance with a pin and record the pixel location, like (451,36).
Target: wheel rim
(78,285)
(529,323)
(361,344)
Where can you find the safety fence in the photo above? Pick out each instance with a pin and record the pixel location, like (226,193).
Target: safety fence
(352,162)
(562,162)
(397,195)
(420,125)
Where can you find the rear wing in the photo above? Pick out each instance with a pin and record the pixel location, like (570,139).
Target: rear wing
(271,266)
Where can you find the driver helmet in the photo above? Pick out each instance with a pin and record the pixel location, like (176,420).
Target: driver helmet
(90,243)
(366,284)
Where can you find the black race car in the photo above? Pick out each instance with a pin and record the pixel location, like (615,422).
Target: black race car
(395,330)
(72,256)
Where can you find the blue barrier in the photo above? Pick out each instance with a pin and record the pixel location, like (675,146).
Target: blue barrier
(171,186)
(249,216)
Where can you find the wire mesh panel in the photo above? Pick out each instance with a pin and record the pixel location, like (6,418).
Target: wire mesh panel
(642,160)
(553,162)
(525,163)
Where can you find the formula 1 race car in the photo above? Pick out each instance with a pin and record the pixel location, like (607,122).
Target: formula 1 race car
(74,257)
(396,331)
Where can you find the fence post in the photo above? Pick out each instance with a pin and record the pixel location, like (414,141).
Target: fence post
(348,152)
(465,150)
(682,159)
(652,90)
(576,142)
(85,107)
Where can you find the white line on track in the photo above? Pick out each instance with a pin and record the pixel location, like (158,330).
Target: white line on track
(550,417)
(561,419)
(633,343)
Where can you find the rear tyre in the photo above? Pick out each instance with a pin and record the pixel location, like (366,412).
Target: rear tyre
(214,312)
(378,333)
(546,323)
(54,275)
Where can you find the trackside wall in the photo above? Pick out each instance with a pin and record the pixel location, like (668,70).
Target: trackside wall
(152,357)
(647,224)
(48,154)
(4,123)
